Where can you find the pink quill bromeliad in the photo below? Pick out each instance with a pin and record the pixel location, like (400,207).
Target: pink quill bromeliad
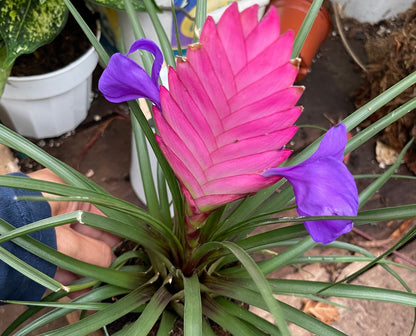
(227,116)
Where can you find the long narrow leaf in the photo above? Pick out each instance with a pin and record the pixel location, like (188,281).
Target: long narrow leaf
(166,323)
(164,202)
(345,259)
(29,271)
(379,125)
(258,278)
(136,233)
(396,246)
(93,322)
(279,260)
(167,170)
(360,292)
(249,317)
(136,112)
(368,192)
(200,17)
(141,146)
(161,34)
(150,314)
(215,312)
(193,307)
(28,313)
(88,33)
(149,188)
(68,174)
(68,305)
(84,195)
(251,296)
(118,278)
(306,27)
(95,295)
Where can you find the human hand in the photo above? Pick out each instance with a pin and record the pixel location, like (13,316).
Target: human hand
(77,240)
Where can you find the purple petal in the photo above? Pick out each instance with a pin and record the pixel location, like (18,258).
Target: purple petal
(323,186)
(153,48)
(124,79)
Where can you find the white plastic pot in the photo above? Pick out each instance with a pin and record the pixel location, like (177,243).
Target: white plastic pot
(49,105)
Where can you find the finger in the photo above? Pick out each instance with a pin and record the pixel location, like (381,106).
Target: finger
(106,237)
(81,247)
(64,276)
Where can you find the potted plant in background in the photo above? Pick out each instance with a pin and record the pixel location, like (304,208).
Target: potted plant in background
(54,98)
(198,265)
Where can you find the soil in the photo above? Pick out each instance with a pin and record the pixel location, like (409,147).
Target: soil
(100,149)
(68,46)
(390,49)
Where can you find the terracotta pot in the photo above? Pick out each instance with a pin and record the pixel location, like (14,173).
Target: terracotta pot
(291,14)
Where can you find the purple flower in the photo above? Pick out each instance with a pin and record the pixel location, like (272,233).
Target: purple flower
(323,186)
(124,79)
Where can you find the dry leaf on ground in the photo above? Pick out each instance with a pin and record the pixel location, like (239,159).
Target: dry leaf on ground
(322,311)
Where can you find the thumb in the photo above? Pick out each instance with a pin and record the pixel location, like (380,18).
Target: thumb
(81,247)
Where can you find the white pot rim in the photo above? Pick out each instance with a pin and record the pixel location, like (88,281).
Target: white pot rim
(55,73)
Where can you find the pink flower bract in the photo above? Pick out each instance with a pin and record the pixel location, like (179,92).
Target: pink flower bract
(230,108)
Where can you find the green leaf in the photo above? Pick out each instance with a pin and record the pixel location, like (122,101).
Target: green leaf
(258,278)
(380,124)
(118,278)
(161,34)
(24,27)
(368,192)
(88,33)
(306,27)
(150,314)
(68,305)
(118,4)
(246,315)
(85,195)
(95,295)
(360,292)
(310,259)
(93,322)
(30,271)
(277,261)
(137,233)
(193,308)
(238,291)
(167,170)
(4,70)
(395,247)
(27,25)
(71,176)
(145,169)
(166,323)
(200,17)
(216,312)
